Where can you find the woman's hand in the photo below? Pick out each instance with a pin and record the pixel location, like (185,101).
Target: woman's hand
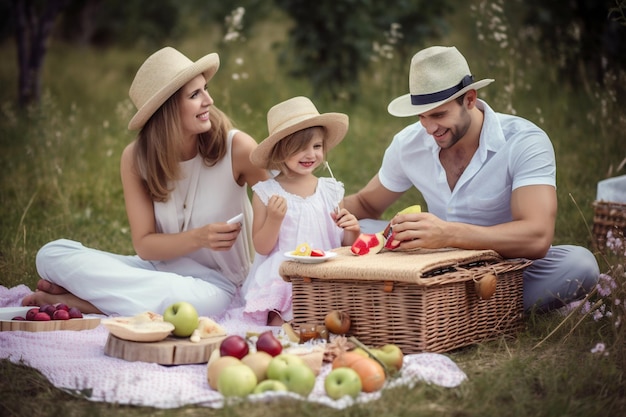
(217,236)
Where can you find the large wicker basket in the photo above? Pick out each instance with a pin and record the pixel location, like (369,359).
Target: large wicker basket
(608,216)
(422,301)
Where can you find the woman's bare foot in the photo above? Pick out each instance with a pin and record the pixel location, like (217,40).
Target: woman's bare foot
(39,298)
(50,287)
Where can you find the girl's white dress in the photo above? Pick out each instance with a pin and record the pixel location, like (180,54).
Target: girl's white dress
(308,220)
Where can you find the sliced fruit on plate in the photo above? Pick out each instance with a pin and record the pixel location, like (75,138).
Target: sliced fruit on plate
(317,252)
(303,249)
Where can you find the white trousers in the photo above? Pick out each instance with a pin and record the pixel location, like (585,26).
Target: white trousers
(127,285)
(565,274)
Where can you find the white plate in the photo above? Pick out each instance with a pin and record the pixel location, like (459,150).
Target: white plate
(310,259)
(7,313)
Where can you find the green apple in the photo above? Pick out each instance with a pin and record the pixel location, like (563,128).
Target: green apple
(291,370)
(279,363)
(183,316)
(258,361)
(391,355)
(342,381)
(236,381)
(216,366)
(269,385)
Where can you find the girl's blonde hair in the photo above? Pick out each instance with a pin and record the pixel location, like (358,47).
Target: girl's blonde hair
(291,144)
(158,146)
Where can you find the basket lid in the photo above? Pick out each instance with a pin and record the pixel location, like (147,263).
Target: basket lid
(423,266)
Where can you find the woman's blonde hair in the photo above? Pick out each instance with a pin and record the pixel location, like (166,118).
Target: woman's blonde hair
(291,144)
(158,146)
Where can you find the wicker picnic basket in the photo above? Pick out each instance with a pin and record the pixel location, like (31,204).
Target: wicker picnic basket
(608,216)
(422,301)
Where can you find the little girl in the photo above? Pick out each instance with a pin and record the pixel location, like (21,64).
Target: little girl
(295,206)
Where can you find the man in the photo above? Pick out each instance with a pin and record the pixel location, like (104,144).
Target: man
(488,179)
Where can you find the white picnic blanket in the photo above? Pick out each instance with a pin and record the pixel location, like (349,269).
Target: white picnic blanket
(75,361)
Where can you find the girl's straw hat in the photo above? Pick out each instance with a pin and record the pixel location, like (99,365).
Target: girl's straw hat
(438,75)
(296,114)
(160,76)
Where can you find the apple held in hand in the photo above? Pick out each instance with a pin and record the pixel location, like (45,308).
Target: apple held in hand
(234,345)
(342,381)
(267,342)
(337,322)
(183,316)
(236,381)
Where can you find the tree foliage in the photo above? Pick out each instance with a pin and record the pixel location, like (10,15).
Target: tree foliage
(588,37)
(331,41)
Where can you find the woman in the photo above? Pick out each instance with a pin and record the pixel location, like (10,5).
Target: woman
(183,177)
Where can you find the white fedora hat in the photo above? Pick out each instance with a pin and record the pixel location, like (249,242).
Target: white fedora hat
(437,75)
(160,76)
(296,114)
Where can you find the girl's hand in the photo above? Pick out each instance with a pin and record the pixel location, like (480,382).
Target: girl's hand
(276,208)
(346,220)
(217,236)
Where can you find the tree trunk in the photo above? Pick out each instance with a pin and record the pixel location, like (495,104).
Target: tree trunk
(33,27)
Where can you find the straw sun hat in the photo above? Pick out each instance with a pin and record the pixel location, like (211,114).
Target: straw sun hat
(296,114)
(437,75)
(160,76)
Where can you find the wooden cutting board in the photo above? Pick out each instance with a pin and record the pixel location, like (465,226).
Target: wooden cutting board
(171,351)
(47,326)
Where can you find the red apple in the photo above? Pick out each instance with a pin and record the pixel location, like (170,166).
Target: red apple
(368,243)
(337,322)
(61,315)
(234,345)
(41,316)
(268,343)
(30,314)
(49,309)
(75,313)
(317,252)
(62,306)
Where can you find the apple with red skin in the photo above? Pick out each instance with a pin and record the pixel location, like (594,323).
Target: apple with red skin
(234,345)
(62,306)
(61,315)
(75,313)
(41,316)
(30,314)
(337,322)
(268,343)
(49,309)
(317,252)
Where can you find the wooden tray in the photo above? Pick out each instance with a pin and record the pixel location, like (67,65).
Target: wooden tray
(171,351)
(47,326)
